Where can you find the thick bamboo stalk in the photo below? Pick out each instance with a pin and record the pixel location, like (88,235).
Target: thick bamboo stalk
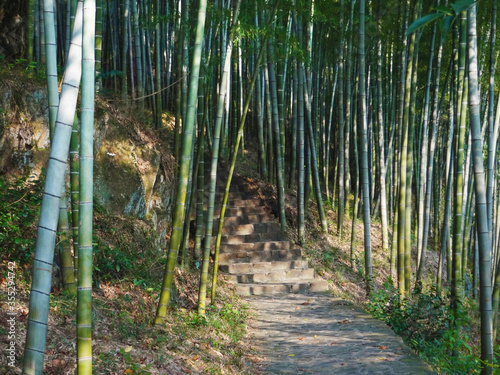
(47,226)
(84,293)
(481,204)
(213,169)
(364,149)
(187,144)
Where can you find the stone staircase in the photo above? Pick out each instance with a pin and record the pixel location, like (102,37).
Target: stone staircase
(254,253)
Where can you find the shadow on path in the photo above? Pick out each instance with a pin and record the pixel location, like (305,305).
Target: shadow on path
(318,334)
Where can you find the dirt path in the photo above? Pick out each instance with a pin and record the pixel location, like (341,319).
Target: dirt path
(318,334)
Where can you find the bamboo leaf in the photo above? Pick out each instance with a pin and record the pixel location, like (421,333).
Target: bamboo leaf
(462,5)
(443,9)
(445,25)
(421,22)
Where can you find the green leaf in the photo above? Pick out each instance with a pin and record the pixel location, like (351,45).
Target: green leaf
(443,9)
(445,25)
(421,22)
(462,5)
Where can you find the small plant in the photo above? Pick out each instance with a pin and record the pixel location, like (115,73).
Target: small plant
(133,368)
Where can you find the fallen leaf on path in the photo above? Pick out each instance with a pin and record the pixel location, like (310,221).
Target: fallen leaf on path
(333,343)
(291,355)
(382,347)
(300,338)
(344,321)
(314,336)
(383,359)
(306,303)
(297,308)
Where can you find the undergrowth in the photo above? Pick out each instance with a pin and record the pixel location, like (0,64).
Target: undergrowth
(20,200)
(427,323)
(128,269)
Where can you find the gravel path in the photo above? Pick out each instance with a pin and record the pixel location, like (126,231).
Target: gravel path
(318,334)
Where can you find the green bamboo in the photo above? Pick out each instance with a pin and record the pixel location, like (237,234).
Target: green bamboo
(138,54)
(459,176)
(125,44)
(98,44)
(341,157)
(213,166)
(187,144)
(300,158)
(364,148)
(481,204)
(435,118)
(491,112)
(84,294)
(30,24)
(67,269)
(74,165)
(46,233)
(159,104)
(424,154)
(276,131)
(233,159)
(312,148)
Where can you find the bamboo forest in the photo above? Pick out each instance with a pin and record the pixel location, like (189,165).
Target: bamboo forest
(249,187)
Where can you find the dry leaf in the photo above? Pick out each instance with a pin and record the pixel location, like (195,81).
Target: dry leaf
(129,372)
(344,321)
(382,347)
(291,355)
(196,357)
(306,303)
(300,338)
(128,349)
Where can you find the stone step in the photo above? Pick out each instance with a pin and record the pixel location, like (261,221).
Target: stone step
(247,229)
(254,237)
(247,219)
(240,268)
(270,289)
(243,211)
(254,202)
(259,256)
(256,246)
(294,275)
(232,196)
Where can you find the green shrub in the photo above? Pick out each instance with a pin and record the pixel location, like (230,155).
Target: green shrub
(428,324)
(20,202)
